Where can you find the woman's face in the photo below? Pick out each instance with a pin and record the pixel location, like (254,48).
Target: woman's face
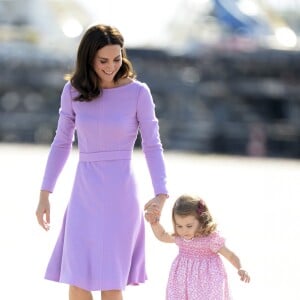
(186,227)
(107,63)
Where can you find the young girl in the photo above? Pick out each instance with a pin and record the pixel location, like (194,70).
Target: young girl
(198,271)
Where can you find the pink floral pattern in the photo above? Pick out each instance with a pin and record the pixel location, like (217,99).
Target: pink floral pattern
(198,273)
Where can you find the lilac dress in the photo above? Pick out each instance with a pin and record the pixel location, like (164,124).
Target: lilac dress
(198,271)
(101,245)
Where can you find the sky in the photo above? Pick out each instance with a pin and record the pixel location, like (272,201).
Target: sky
(141,22)
(147,23)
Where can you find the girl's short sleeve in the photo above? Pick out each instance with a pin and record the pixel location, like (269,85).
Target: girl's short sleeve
(217,242)
(177,240)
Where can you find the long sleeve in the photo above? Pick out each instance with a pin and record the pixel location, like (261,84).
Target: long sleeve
(151,143)
(62,142)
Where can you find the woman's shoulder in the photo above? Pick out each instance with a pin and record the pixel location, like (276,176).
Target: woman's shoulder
(70,90)
(139,84)
(139,87)
(129,84)
(67,87)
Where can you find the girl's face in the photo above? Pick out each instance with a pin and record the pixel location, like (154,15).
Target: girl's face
(186,227)
(107,63)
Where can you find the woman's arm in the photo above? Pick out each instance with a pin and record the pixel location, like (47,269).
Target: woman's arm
(59,152)
(62,142)
(235,261)
(151,142)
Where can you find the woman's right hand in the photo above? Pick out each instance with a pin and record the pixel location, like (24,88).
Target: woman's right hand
(43,210)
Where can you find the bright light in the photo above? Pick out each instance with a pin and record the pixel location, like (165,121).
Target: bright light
(286,37)
(72,28)
(248,7)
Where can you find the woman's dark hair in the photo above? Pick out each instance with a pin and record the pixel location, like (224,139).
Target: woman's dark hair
(187,205)
(84,79)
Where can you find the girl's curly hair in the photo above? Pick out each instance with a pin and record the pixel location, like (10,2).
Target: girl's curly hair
(187,205)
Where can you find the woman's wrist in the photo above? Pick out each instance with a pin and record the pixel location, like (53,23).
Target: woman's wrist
(162,196)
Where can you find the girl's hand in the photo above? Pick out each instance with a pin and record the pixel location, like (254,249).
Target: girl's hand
(151,217)
(154,207)
(244,275)
(43,210)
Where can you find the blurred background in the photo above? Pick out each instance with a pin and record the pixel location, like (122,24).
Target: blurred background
(224,74)
(225,77)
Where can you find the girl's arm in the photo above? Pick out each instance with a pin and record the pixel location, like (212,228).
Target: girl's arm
(161,234)
(235,261)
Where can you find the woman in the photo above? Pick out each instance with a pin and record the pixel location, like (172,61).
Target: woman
(101,246)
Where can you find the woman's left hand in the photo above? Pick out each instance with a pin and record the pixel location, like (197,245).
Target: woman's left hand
(154,208)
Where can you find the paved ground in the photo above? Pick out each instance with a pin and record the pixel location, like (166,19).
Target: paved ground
(255,201)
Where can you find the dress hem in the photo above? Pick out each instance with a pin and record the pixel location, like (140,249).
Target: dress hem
(93,289)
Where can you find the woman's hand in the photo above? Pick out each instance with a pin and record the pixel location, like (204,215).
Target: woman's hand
(154,208)
(43,210)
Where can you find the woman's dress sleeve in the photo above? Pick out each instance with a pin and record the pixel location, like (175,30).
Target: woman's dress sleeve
(62,142)
(151,143)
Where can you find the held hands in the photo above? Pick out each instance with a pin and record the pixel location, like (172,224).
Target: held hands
(154,207)
(244,276)
(43,210)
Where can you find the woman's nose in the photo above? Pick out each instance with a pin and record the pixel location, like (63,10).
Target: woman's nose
(111,65)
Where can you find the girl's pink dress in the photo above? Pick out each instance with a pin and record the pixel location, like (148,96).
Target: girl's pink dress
(198,273)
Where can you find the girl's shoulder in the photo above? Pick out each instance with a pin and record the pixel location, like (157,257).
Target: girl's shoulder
(216,241)
(215,235)
(211,238)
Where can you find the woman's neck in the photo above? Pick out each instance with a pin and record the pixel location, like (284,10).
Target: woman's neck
(112,84)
